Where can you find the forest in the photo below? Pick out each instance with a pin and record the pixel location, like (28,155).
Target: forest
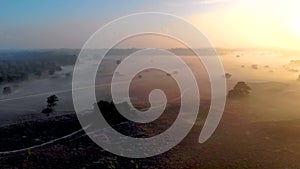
(20,65)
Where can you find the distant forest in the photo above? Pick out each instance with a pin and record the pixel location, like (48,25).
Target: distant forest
(18,65)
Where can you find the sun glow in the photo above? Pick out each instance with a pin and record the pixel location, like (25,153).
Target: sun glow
(253,24)
(294,23)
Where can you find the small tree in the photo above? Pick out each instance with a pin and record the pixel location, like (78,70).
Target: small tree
(6,90)
(51,72)
(118,62)
(38,73)
(240,90)
(51,102)
(227,75)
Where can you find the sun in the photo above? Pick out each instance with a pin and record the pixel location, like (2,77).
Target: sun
(294,23)
(296,28)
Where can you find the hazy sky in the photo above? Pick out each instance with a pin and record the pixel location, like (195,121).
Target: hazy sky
(226,23)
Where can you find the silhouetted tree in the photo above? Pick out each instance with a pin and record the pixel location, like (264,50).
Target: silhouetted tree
(228,75)
(68,74)
(38,73)
(118,62)
(6,90)
(51,72)
(51,102)
(240,90)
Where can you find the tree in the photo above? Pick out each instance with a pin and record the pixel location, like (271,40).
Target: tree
(51,72)
(227,75)
(51,102)
(68,74)
(118,62)
(6,90)
(240,90)
(38,73)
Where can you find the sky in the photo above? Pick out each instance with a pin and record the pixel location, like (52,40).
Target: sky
(34,24)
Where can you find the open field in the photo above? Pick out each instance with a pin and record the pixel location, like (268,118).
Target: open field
(260,131)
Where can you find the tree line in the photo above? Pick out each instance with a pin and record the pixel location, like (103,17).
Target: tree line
(18,65)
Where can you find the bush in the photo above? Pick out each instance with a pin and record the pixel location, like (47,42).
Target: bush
(111,114)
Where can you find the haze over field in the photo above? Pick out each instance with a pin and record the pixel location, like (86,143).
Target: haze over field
(275,67)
